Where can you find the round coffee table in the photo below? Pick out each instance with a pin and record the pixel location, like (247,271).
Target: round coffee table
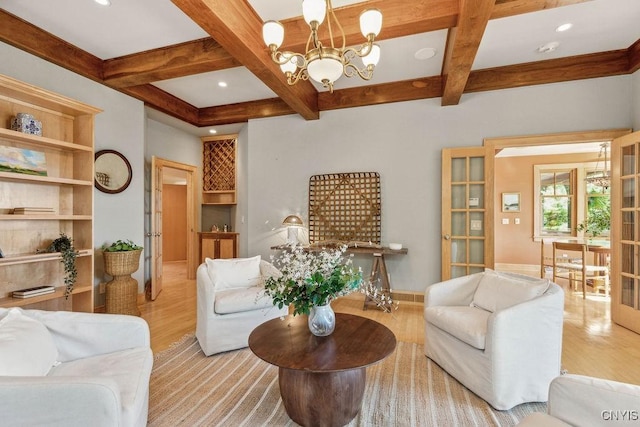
(322,379)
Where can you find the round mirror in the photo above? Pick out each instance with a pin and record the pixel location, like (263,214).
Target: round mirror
(112,171)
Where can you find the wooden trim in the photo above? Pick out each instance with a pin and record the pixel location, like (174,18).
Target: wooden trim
(192,211)
(494,144)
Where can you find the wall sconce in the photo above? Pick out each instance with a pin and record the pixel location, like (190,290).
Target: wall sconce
(293,223)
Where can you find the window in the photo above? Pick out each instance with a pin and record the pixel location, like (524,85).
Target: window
(557,189)
(568,205)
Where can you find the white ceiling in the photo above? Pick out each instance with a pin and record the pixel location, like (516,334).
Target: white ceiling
(131,26)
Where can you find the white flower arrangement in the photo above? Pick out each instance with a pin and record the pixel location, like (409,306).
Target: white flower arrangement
(315,278)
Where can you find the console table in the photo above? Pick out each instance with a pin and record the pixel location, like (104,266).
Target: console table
(378,268)
(322,379)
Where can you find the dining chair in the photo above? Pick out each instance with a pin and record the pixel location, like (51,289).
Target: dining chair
(571,262)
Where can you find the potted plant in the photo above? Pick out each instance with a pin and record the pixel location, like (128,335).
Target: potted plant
(121,259)
(64,245)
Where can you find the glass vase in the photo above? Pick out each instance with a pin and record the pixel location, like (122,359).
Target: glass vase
(322,320)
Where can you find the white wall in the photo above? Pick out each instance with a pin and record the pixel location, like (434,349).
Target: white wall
(119,127)
(403,142)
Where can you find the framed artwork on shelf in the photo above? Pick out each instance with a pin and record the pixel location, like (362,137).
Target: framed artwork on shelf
(510,202)
(22,160)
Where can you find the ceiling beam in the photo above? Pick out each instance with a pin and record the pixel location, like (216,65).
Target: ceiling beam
(463,42)
(160,100)
(589,66)
(243,112)
(634,57)
(237,27)
(26,36)
(194,57)
(399,19)
(604,64)
(383,93)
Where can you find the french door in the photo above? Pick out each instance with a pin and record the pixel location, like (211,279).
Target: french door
(625,231)
(467,232)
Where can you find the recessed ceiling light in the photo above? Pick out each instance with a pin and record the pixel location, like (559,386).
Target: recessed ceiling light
(425,53)
(549,47)
(103,2)
(213,131)
(222,84)
(564,27)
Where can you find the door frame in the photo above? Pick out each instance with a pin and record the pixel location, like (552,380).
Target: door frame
(192,211)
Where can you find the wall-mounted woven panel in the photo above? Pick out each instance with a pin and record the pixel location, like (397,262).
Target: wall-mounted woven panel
(345,207)
(219,165)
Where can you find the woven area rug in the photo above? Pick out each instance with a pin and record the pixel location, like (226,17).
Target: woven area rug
(239,389)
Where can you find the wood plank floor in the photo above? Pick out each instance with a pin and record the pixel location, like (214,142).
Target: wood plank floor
(592,344)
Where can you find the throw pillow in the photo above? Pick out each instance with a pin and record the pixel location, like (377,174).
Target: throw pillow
(234,273)
(26,346)
(497,291)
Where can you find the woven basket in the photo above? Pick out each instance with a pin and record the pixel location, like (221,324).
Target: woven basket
(121,263)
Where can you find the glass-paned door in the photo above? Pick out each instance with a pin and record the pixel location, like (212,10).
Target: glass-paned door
(625,231)
(464,212)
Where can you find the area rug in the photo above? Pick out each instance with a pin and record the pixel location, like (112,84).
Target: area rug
(238,389)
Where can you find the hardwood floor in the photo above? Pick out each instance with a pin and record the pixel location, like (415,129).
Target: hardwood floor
(592,344)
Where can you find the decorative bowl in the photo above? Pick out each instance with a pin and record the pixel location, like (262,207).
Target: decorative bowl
(395,246)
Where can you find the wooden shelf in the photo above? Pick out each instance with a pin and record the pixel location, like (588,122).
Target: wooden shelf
(45,217)
(59,293)
(28,258)
(9,176)
(41,141)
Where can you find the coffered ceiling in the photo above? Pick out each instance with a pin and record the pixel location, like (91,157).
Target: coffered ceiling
(173,54)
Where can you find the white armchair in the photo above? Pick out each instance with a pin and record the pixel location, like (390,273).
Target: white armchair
(499,334)
(577,400)
(231,302)
(73,369)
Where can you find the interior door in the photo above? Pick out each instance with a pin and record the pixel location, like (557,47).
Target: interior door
(625,231)
(156,228)
(466,212)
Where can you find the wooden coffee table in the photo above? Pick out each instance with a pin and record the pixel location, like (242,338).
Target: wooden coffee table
(322,379)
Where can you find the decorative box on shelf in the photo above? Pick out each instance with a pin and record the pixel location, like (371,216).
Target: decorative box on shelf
(26,123)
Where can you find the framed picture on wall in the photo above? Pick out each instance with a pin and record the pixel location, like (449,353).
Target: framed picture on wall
(510,202)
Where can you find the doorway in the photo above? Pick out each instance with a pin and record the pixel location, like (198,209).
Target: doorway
(176,174)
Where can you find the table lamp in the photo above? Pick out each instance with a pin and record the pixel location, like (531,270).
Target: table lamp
(292,222)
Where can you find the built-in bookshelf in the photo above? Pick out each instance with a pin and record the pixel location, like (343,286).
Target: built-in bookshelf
(37,208)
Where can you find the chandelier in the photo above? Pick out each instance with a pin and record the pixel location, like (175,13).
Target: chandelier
(325,64)
(601,178)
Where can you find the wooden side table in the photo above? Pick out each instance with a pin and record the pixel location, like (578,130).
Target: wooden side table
(322,379)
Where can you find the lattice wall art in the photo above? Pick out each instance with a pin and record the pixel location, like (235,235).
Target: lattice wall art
(345,207)
(219,165)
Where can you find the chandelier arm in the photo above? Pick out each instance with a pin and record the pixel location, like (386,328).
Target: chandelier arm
(293,78)
(360,51)
(351,70)
(280,58)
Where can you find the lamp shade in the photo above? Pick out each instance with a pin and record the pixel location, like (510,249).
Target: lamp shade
(293,221)
(370,22)
(273,33)
(325,69)
(372,57)
(314,10)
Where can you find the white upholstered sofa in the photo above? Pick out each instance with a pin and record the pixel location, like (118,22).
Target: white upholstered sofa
(231,302)
(577,400)
(60,368)
(499,334)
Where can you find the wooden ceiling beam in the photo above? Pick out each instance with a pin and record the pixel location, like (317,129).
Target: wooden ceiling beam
(589,66)
(160,100)
(634,57)
(243,112)
(237,27)
(194,57)
(26,36)
(383,93)
(462,46)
